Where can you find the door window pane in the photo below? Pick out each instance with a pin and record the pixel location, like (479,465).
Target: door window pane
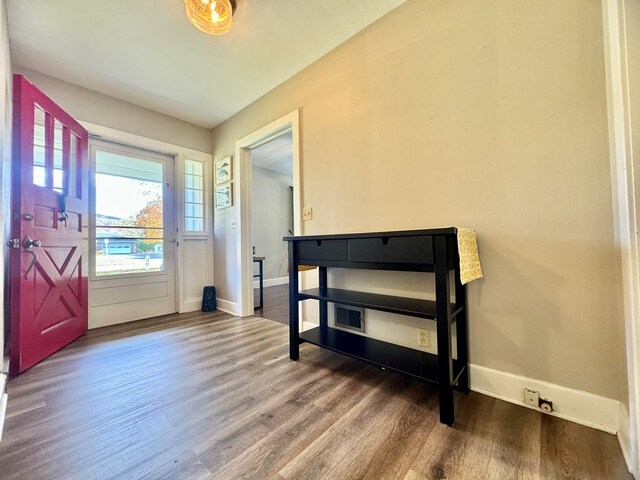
(129,214)
(39,142)
(129,233)
(193,196)
(58,130)
(194,224)
(74,150)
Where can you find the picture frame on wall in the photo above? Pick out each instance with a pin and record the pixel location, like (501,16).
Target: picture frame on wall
(224,196)
(224,170)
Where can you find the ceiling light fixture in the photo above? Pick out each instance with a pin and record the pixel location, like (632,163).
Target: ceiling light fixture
(211,16)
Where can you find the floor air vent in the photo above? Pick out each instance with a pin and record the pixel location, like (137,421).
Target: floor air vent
(350,317)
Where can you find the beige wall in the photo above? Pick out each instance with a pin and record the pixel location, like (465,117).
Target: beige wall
(490,115)
(5,154)
(94,107)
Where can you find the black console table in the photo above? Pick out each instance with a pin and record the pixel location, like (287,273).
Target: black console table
(433,250)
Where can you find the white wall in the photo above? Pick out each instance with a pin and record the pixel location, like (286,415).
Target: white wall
(272,219)
(91,106)
(5,152)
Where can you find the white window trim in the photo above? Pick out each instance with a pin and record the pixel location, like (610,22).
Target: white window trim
(180,154)
(208,196)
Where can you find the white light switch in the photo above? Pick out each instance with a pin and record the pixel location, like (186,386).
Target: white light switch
(307,213)
(233,224)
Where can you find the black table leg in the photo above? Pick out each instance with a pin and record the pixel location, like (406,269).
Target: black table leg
(322,283)
(294,326)
(443,321)
(461,333)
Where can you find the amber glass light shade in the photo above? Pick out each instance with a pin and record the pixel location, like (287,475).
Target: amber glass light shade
(211,16)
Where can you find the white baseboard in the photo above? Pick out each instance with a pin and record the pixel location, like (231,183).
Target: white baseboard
(3,411)
(574,405)
(306,325)
(624,438)
(191,305)
(272,282)
(227,306)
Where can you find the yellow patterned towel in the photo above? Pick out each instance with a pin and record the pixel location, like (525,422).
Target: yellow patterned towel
(470,268)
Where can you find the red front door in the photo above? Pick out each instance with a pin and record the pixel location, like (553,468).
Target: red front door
(48,280)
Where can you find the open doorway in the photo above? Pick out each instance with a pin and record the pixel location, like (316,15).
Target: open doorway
(283,132)
(272,219)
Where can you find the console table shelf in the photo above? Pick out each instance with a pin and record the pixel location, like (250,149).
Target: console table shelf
(433,250)
(413,307)
(422,365)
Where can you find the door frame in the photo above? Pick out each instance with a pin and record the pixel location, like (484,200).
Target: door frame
(180,154)
(626,207)
(243,186)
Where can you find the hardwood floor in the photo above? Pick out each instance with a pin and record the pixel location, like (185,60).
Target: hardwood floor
(276,304)
(209,396)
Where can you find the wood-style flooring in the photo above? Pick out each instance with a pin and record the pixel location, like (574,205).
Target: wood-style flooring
(210,396)
(276,304)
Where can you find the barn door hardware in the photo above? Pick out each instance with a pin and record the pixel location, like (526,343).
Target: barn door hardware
(62,208)
(28,244)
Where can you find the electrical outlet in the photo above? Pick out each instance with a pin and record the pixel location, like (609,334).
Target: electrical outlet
(545,405)
(423,338)
(531,397)
(307,213)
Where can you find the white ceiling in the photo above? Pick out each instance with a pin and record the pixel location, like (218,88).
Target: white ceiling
(146,51)
(275,155)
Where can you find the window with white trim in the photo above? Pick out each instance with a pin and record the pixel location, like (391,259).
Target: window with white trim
(193,196)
